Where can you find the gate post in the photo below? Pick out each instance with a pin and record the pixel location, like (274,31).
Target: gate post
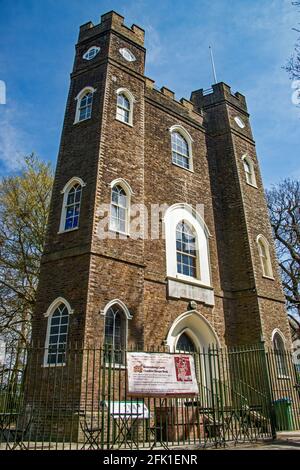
(268,388)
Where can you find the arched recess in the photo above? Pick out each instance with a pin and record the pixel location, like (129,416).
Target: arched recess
(71,182)
(56,303)
(203,336)
(197,326)
(120,304)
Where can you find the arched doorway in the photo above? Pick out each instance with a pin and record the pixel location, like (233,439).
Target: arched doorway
(197,330)
(192,333)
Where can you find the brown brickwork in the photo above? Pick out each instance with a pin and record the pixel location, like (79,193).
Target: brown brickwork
(89,272)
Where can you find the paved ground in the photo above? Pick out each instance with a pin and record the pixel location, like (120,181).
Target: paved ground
(285,441)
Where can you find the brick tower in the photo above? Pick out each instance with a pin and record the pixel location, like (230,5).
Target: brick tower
(127,145)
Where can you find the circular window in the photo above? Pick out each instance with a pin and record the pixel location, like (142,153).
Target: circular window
(127,54)
(240,122)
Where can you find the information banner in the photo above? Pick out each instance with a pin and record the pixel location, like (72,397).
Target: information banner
(161,374)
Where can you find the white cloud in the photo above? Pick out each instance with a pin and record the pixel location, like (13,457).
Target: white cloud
(13,140)
(154,45)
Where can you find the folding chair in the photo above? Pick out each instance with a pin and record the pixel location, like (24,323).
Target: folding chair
(91,433)
(160,432)
(214,429)
(20,432)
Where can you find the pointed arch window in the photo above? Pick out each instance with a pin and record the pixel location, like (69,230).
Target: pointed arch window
(57,333)
(280,355)
(185,343)
(125,102)
(73,207)
(84,104)
(72,195)
(120,206)
(249,170)
(115,335)
(264,254)
(186,250)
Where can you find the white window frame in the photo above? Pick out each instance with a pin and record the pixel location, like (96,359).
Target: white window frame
(195,257)
(173,216)
(185,134)
(128,316)
(250,177)
(127,189)
(86,55)
(127,54)
(65,192)
(81,94)
(48,314)
(261,240)
(131,99)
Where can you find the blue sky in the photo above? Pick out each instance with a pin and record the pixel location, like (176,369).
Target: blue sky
(252,40)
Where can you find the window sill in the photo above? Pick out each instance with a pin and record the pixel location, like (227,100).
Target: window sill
(183,168)
(189,280)
(129,124)
(69,230)
(268,277)
(118,232)
(82,120)
(253,185)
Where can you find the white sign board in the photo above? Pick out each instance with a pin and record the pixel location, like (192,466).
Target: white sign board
(161,374)
(127,409)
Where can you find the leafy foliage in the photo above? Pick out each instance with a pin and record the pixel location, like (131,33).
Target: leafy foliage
(24,207)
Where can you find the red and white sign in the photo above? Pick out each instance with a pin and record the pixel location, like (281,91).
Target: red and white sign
(161,374)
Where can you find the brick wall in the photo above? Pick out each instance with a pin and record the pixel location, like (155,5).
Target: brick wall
(90,272)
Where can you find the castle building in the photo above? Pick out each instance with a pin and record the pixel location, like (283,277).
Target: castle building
(158,233)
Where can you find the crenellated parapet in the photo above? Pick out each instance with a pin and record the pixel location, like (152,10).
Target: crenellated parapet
(114,21)
(218,93)
(183,104)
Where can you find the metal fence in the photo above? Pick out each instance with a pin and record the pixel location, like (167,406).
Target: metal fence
(245,394)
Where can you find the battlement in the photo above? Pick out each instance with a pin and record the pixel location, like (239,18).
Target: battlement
(114,21)
(219,92)
(183,102)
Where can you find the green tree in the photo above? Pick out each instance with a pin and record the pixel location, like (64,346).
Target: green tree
(24,207)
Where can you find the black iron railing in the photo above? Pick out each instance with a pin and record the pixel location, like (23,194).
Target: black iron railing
(84,403)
